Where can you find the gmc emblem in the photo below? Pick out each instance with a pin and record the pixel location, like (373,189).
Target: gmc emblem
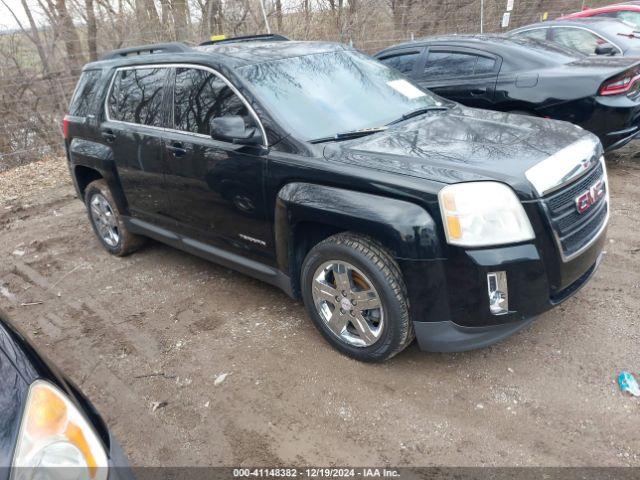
(591,196)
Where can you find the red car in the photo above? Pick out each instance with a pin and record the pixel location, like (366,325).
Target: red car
(628,12)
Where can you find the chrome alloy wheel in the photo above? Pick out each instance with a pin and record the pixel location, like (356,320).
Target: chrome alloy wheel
(105,220)
(348,303)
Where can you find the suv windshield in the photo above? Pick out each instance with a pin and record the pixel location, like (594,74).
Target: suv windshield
(321,95)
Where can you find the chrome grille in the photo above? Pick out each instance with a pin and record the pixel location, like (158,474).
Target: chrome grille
(574,230)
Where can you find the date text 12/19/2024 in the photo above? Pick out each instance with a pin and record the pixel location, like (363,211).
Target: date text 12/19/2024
(316,472)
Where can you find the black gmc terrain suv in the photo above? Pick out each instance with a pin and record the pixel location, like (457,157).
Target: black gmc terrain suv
(392,212)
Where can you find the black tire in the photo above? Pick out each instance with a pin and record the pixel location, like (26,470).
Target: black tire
(127,242)
(381,269)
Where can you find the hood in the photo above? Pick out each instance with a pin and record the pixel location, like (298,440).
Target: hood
(462,144)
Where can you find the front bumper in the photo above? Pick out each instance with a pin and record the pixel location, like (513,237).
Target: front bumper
(449,298)
(448,336)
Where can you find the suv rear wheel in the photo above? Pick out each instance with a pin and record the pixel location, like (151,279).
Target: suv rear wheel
(354,292)
(107,222)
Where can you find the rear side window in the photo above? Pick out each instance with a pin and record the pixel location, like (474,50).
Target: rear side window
(136,96)
(456,64)
(403,62)
(449,64)
(484,65)
(200,96)
(631,17)
(578,39)
(84,94)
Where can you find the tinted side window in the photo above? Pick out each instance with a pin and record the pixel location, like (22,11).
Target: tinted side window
(403,62)
(577,39)
(630,17)
(136,96)
(200,96)
(456,64)
(536,33)
(84,93)
(484,65)
(449,64)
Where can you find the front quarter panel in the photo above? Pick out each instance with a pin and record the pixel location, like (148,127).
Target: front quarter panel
(403,227)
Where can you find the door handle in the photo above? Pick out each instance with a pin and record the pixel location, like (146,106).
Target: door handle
(478,91)
(177,148)
(108,135)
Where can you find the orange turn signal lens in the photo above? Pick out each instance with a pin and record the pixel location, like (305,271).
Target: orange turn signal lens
(47,413)
(453,225)
(76,437)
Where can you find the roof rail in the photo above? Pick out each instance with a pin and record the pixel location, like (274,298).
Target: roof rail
(146,49)
(265,37)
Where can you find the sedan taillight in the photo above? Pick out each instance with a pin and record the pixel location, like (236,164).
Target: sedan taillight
(621,84)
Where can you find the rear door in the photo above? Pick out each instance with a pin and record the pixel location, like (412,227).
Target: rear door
(464,75)
(134,128)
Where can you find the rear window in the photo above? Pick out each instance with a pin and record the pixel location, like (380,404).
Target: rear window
(136,96)
(84,94)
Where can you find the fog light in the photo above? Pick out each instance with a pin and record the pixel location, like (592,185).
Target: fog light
(498,292)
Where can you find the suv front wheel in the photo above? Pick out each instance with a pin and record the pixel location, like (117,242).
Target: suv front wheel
(107,222)
(354,292)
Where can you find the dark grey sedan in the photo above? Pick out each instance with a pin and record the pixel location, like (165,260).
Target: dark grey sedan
(589,36)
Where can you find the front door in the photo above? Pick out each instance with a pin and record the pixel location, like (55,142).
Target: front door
(216,187)
(133,129)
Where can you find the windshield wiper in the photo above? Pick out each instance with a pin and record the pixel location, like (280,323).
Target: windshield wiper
(415,113)
(633,34)
(349,135)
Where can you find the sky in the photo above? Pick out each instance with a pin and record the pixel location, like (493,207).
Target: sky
(7,21)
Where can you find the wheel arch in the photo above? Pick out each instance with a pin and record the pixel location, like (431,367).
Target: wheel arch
(308,213)
(83,176)
(91,161)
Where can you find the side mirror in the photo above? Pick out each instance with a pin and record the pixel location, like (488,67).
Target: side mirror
(231,128)
(606,49)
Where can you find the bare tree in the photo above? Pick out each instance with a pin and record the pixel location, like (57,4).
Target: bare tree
(180,11)
(92,30)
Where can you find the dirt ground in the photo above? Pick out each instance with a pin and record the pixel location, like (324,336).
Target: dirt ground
(162,326)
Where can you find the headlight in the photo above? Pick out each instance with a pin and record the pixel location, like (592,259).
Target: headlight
(478,214)
(55,440)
